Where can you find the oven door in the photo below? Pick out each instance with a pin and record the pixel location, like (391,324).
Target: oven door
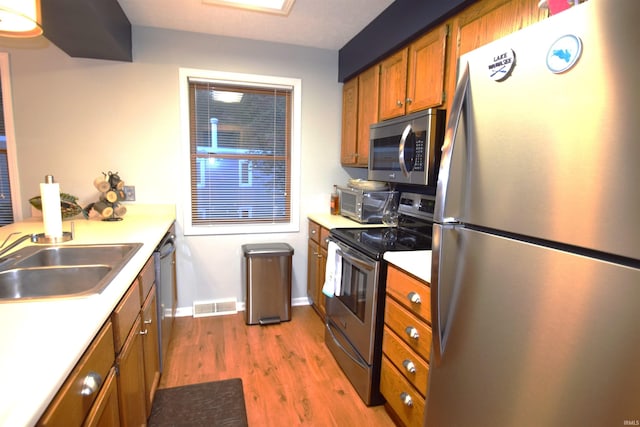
(355,310)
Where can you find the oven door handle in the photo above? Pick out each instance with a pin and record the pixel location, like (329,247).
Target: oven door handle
(353,258)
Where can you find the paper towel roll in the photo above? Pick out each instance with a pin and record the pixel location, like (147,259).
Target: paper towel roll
(51,213)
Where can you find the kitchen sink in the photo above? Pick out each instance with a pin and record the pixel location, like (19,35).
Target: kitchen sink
(62,271)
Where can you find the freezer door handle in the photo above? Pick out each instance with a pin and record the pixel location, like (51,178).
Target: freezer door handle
(443,284)
(441,214)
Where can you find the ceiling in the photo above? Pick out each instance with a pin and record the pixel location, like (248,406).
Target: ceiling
(326,24)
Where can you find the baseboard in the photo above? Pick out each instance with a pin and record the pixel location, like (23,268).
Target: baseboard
(240,306)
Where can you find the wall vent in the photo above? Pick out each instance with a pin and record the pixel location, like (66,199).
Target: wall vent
(218,307)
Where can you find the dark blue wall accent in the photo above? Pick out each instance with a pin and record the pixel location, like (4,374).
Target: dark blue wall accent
(398,24)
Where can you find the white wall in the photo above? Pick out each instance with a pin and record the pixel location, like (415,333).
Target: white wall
(78,117)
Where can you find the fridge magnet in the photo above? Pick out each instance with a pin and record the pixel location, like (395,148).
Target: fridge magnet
(564,53)
(501,65)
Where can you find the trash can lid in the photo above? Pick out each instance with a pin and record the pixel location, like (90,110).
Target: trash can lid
(267,249)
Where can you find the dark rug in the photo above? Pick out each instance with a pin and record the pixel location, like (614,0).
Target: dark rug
(218,403)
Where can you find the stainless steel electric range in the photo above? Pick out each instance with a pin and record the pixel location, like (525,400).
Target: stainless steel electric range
(355,314)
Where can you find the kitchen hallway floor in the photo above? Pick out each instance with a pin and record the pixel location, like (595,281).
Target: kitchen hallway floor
(290,378)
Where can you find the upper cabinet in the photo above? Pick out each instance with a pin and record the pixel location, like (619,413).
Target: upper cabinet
(413,78)
(484,22)
(359,112)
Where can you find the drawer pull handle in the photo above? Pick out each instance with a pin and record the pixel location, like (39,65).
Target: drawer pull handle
(409,366)
(148,322)
(414,297)
(412,332)
(91,384)
(145,332)
(406,399)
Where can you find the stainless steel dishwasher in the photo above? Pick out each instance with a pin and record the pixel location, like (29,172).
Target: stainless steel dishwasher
(165,267)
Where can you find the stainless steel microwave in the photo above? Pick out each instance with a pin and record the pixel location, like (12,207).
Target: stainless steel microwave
(364,206)
(407,149)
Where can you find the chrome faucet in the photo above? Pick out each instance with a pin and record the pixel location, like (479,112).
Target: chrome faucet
(15,242)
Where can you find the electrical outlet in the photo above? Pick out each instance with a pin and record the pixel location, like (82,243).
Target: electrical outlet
(129,193)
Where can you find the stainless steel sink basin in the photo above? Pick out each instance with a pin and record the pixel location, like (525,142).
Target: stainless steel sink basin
(74,255)
(62,271)
(50,282)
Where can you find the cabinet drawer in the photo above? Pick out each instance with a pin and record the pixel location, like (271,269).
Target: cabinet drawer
(147,278)
(404,288)
(401,355)
(403,323)
(78,393)
(314,231)
(401,396)
(125,314)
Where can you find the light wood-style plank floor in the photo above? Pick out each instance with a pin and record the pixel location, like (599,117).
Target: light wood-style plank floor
(289,376)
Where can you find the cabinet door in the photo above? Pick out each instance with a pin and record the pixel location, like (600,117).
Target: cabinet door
(105,411)
(425,82)
(312,272)
(348,153)
(131,390)
(393,85)
(150,347)
(368,100)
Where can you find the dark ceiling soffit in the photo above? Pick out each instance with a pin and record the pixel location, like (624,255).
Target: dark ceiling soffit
(96,29)
(398,24)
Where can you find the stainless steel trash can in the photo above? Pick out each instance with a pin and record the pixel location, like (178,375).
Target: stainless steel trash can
(267,277)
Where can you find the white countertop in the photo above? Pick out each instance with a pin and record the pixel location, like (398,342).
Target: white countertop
(417,263)
(337,221)
(41,341)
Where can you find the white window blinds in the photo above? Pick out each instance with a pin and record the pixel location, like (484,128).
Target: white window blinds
(240,153)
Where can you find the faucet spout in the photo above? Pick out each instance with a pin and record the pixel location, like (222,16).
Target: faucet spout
(15,242)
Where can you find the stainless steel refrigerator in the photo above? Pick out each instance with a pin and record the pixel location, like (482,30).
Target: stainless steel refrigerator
(536,251)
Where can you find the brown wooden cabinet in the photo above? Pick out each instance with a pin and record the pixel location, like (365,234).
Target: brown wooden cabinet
(406,346)
(316,263)
(413,78)
(115,381)
(150,347)
(359,112)
(80,393)
(484,22)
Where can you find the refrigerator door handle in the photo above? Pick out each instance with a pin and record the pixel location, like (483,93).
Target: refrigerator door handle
(448,146)
(436,325)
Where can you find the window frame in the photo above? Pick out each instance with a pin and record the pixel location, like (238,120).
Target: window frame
(239,79)
(12,158)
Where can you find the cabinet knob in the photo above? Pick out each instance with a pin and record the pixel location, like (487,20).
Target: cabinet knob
(91,384)
(408,100)
(313,231)
(414,297)
(399,103)
(409,366)
(412,332)
(406,399)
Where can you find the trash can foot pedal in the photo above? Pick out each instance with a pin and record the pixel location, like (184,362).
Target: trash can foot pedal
(269,320)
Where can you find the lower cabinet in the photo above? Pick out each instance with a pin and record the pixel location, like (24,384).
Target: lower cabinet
(406,347)
(115,381)
(316,264)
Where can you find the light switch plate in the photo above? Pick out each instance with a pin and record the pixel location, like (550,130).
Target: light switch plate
(129,193)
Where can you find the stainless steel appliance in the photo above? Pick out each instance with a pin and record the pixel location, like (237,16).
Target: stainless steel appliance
(536,250)
(407,149)
(364,206)
(164,258)
(355,316)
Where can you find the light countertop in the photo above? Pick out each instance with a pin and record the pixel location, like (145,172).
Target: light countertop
(417,263)
(41,341)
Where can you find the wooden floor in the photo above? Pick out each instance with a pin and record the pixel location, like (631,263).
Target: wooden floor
(290,378)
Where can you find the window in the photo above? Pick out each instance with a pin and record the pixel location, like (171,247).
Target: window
(9,190)
(241,144)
